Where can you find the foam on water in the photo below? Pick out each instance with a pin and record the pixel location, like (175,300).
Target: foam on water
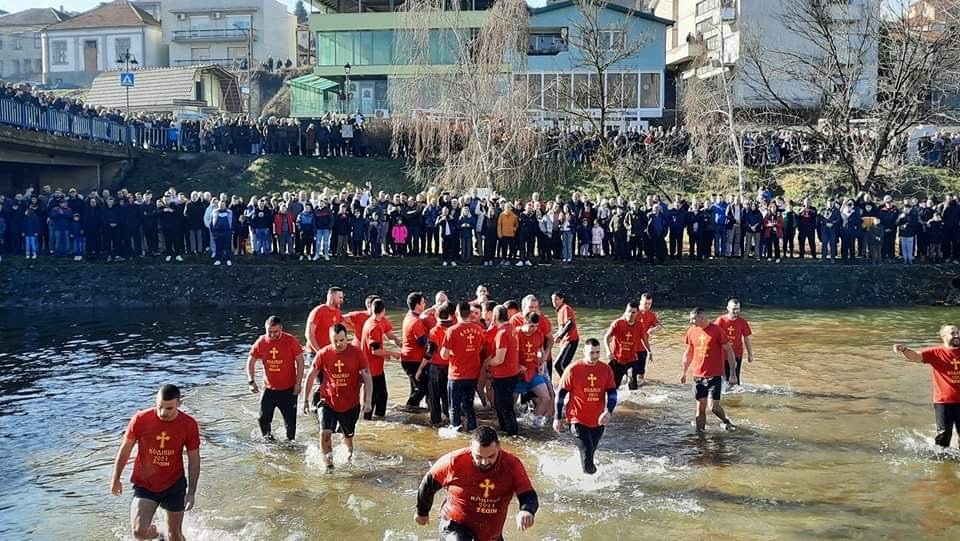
(921,446)
(359,507)
(685,506)
(392,535)
(760,388)
(448,433)
(613,469)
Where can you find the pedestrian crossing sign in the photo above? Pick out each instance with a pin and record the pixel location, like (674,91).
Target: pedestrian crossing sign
(126,78)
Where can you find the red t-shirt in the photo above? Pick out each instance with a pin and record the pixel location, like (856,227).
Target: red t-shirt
(438,335)
(160,445)
(430,320)
(279,360)
(489,348)
(359,318)
(506,338)
(479,499)
(736,329)
(341,376)
(372,333)
(945,363)
(544,325)
(324,317)
(708,356)
(564,314)
(647,320)
(413,330)
(626,340)
(528,346)
(464,340)
(587,385)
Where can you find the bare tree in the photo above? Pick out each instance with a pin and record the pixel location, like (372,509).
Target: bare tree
(834,52)
(459,119)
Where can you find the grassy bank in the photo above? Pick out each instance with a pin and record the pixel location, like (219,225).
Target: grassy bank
(243,175)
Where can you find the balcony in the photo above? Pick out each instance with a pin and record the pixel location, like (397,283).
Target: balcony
(229,63)
(685,52)
(211,35)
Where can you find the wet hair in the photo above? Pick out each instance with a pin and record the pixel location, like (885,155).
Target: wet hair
(696,311)
(334,290)
(512,305)
(338,328)
(413,299)
(169,392)
(445,311)
(463,309)
(490,305)
(485,436)
(733,300)
(646,296)
(500,314)
(593,342)
(633,304)
(532,318)
(369,300)
(560,295)
(378,306)
(272,321)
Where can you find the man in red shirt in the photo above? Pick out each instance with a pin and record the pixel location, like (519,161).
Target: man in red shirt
(372,344)
(568,336)
(944,361)
(530,346)
(622,340)
(161,434)
(282,359)
(649,324)
(480,482)
(461,348)
(707,351)
(504,367)
(586,382)
(355,320)
(437,367)
(413,348)
(530,304)
(323,317)
(344,369)
(430,314)
(738,332)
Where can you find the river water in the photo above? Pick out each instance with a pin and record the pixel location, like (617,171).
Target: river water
(835,438)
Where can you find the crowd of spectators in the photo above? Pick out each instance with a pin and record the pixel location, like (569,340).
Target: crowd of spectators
(454,229)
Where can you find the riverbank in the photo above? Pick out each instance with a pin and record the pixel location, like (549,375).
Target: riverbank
(48,283)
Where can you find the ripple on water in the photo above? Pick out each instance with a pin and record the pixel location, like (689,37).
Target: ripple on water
(919,446)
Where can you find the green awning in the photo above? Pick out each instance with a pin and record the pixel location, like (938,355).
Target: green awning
(312,82)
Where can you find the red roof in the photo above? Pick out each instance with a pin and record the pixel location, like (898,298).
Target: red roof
(120,13)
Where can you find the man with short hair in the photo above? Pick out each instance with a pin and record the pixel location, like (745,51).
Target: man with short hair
(530,348)
(437,368)
(504,368)
(649,324)
(738,333)
(461,348)
(706,347)
(530,304)
(413,349)
(161,434)
(586,382)
(282,358)
(372,343)
(568,336)
(944,361)
(480,481)
(344,369)
(622,340)
(322,318)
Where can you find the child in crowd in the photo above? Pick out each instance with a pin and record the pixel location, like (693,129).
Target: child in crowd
(241,233)
(596,240)
(31,230)
(874,235)
(399,233)
(76,235)
(935,238)
(583,235)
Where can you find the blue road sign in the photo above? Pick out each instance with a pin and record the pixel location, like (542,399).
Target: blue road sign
(126,78)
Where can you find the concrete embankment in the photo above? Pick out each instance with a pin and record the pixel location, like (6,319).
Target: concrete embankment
(197,283)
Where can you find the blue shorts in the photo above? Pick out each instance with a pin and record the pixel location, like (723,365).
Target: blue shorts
(525,387)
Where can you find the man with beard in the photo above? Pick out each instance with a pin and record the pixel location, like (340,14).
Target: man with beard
(944,360)
(480,481)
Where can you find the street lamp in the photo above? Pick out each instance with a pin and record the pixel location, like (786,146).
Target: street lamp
(346,90)
(127,59)
(248,31)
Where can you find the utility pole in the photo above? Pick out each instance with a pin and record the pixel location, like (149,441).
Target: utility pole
(127,60)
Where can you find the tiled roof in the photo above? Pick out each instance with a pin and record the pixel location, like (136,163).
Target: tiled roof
(34,17)
(157,89)
(114,14)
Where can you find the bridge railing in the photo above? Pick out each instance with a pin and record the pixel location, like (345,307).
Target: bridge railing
(33,117)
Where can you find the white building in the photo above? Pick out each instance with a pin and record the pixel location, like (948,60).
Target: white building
(76,50)
(694,44)
(21,57)
(222,31)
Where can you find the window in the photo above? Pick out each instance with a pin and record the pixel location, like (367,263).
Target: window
(704,27)
(581,90)
(610,40)
(706,5)
(237,53)
(37,42)
(1,43)
(344,48)
(199,53)
(199,24)
(614,90)
(58,54)
(713,43)
(15,66)
(548,42)
(17,42)
(122,45)
(237,21)
(630,82)
(649,90)
(550,91)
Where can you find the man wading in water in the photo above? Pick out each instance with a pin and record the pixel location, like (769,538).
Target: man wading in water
(480,481)
(707,345)
(738,333)
(282,358)
(945,362)
(344,368)
(161,433)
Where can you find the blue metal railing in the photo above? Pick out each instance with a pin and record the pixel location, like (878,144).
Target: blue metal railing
(53,121)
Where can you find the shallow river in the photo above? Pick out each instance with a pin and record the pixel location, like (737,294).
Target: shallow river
(835,438)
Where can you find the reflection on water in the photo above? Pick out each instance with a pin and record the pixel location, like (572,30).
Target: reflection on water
(835,438)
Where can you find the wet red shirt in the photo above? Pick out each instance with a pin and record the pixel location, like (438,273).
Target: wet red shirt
(945,363)
(564,314)
(340,388)
(464,340)
(279,360)
(708,355)
(324,317)
(438,336)
(160,445)
(587,385)
(544,326)
(736,329)
(506,338)
(372,333)
(479,499)
(489,348)
(647,320)
(413,330)
(626,340)
(528,346)
(359,318)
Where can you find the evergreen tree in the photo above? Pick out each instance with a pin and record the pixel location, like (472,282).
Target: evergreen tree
(300,11)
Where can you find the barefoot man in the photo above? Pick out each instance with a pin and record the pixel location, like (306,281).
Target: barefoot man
(944,360)
(707,351)
(161,434)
